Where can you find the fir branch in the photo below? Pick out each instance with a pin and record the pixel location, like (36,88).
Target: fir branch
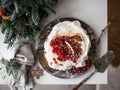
(11,66)
(93,58)
(25,21)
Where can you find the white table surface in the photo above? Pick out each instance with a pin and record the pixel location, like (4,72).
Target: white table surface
(94,13)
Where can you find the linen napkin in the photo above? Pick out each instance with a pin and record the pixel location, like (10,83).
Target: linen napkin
(22,79)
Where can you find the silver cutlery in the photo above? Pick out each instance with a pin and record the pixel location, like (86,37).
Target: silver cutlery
(104,61)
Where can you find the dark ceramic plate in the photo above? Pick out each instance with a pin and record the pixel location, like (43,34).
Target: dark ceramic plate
(40,48)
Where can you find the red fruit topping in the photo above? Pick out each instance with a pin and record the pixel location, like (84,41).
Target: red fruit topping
(55,61)
(61,64)
(2,12)
(51,63)
(63,50)
(75,70)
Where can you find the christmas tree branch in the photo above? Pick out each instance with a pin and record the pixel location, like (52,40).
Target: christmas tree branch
(22,18)
(11,66)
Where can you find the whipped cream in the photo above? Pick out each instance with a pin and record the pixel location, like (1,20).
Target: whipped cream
(67,28)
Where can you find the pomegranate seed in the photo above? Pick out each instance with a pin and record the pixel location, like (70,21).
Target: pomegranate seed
(51,63)
(61,64)
(75,70)
(55,61)
(60,48)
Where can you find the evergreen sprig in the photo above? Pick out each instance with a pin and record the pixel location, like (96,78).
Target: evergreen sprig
(11,66)
(93,58)
(22,18)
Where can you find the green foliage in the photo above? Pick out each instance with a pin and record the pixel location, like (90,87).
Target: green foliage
(94,59)
(11,66)
(16,29)
(25,18)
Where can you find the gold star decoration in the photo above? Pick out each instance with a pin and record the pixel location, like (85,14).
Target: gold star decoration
(37,72)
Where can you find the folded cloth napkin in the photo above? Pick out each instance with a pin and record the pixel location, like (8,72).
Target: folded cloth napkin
(24,55)
(22,79)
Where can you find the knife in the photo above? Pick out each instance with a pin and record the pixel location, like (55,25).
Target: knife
(104,61)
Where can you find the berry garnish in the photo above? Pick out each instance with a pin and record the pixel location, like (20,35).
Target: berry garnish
(66,48)
(2,12)
(55,61)
(75,70)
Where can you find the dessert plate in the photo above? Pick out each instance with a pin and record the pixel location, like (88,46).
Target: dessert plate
(73,72)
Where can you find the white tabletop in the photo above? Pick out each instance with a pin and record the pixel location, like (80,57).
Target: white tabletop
(94,13)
